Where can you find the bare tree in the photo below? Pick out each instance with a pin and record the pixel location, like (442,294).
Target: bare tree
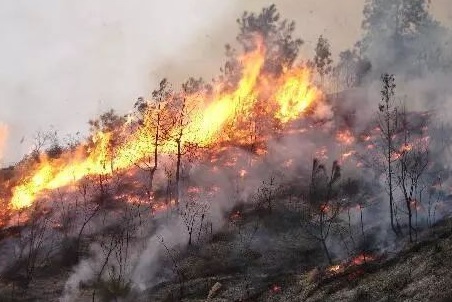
(117,242)
(45,140)
(176,268)
(193,213)
(413,159)
(29,251)
(86,208)
(388,127)
(183,114)
(266,194)
(323,205)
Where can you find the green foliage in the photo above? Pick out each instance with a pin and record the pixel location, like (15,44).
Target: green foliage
(277,33)
(352,68)
(107,122)
(403,34)
(322,59)
(159,95)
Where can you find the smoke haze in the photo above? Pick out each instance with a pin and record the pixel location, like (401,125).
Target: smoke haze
(63,63)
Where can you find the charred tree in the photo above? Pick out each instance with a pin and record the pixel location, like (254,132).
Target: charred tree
(323,204)
(413,158)
(388,127)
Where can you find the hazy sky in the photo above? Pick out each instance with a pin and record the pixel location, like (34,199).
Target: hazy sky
(63,62)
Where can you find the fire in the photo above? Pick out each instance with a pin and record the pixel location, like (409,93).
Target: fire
(275,288)
(358,260)
(345,137)
(295,94)
(347,155)
(362,259)
(324,208)
(236,215)
(322,153)
(52,174)
(287,96)
(334,269)
(288,163)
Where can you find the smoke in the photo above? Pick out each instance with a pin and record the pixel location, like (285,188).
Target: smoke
(95,55)
(176,59)
(3,137)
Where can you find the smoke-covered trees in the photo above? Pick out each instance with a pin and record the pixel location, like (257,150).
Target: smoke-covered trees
(402,153)
(322,58)
(388,118)
(413,159)
(399,18)
(400,34)
(351,68)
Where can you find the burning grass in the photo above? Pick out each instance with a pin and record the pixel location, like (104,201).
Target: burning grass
(215,117)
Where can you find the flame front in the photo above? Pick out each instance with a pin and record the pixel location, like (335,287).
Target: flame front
(286,97)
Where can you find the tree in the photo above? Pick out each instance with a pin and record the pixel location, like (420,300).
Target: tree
(396,32)
(282,49)
(183,113)
(87,210)
(45,141)
(29,249)
(388,127)
(322,58)
(117,241)
(352,68)
(266,194)
(395,18)
(404,148)
(323,203)
(111,123)
(413,159)
(193,212)
(155,125)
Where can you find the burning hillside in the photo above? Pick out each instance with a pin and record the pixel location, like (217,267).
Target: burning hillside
(279,164)
(205,118)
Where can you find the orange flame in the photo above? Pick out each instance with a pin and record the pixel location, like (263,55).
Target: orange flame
(291,94)
(362,259)
(345,137)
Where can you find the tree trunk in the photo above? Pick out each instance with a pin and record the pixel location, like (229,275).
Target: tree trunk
(327,253)
(179,159)
(410,214)
(391,196)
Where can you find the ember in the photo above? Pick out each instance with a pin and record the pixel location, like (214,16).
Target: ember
(275,288)
(362,259)
(345,137)
(236,215)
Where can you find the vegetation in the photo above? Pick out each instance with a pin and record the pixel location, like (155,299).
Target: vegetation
(244,225)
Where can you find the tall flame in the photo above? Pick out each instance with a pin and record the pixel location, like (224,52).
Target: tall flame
(291,94)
